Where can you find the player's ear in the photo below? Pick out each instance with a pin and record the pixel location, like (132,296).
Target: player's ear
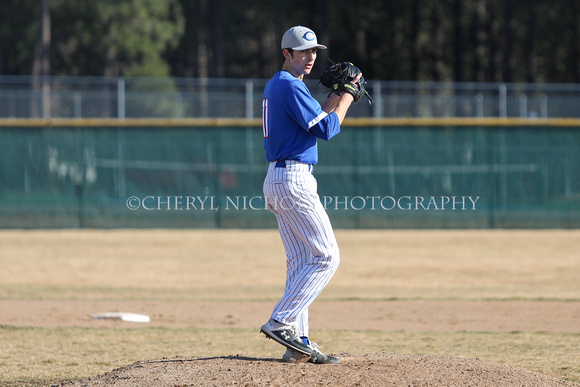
(286,54)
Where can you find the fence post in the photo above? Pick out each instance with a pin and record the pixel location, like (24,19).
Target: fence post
(523,106)
(378,100)
(78,104)
(503,100)
(178,102)
(121,182)
(544,106)
(121,99)
(249,99)
(479,105)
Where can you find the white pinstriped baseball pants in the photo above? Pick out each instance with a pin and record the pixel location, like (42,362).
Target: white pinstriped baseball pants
(312,254)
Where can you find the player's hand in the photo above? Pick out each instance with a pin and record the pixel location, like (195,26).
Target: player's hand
(355,83)
(357,78)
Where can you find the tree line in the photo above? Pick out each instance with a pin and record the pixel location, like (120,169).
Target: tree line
(403,40)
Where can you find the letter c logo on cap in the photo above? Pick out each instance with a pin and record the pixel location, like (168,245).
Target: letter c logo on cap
(309,36)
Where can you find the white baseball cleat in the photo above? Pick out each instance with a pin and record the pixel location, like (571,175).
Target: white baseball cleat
(285,334)
(316,356)
(291,356)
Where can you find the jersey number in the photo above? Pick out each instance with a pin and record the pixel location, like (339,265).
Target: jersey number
(265,123)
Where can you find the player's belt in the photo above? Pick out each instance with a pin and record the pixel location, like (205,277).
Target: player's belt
(282,164)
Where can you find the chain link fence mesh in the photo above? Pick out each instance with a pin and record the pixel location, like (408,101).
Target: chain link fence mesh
(211,177)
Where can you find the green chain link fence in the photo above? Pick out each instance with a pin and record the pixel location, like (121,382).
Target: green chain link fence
(407,176)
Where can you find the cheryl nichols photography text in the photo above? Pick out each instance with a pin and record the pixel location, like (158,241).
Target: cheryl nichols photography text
(336,203)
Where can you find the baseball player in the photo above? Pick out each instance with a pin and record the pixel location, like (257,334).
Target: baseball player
(292,122)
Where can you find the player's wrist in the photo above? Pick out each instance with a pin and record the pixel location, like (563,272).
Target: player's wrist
(347,95)
(334,95)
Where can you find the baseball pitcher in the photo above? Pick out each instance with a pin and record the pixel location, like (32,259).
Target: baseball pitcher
(293,121)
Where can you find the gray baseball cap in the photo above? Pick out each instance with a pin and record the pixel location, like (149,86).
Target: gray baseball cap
(300,38)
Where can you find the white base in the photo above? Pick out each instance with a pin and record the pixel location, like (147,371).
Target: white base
(123,316)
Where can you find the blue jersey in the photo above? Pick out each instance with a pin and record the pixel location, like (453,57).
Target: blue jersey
(292,120)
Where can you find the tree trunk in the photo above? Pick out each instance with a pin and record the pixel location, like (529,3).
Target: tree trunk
(480,38)
(437,37)
(509,57)
(3,66)
(202,51)
(41,64)
(575,48)
(217,41)
(457,42)
(414,46)
(203,58)
(531,62)
(493,27)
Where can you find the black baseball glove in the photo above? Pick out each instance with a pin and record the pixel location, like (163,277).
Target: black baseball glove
(338,78)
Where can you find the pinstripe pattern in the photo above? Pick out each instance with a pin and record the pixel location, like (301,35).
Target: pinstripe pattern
(311,249)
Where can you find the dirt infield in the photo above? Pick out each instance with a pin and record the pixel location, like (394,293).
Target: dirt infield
(390,284)
(355,370)
(408,315)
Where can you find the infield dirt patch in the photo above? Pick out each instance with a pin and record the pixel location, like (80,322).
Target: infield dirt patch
(354,370)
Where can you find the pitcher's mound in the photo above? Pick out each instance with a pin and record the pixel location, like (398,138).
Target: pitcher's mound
(354,370)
